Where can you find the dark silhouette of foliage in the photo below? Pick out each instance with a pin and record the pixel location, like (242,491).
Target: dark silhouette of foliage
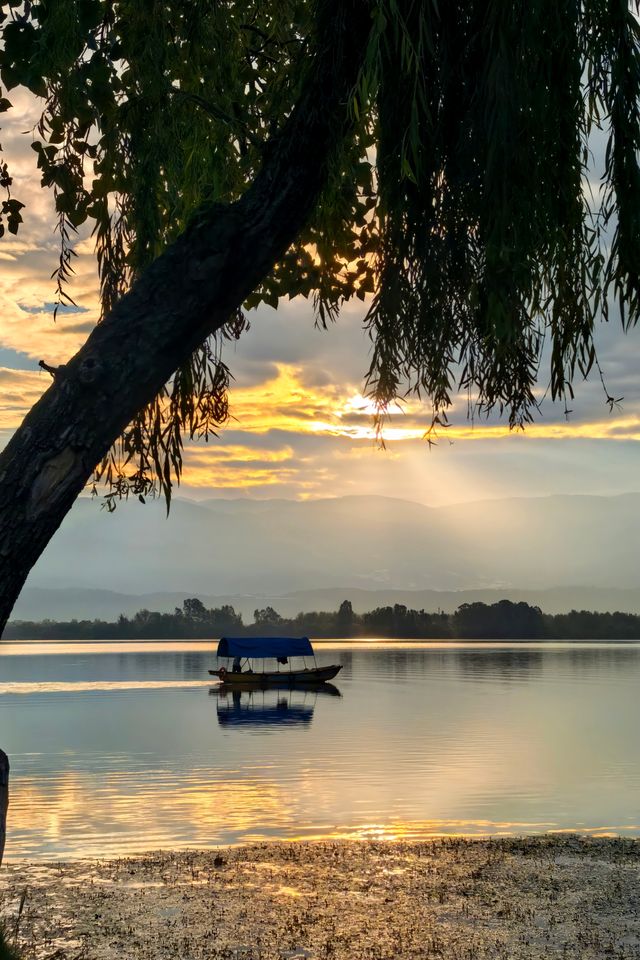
(268,621)
(7,951)
(475,621)
(582,624)
(499,621)
(345,617)
(399,621)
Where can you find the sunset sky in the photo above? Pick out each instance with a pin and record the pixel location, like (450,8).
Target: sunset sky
(300,426)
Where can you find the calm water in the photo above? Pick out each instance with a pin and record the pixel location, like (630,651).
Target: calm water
(127,747)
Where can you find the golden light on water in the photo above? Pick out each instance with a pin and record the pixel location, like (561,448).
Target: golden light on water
(164,807)
(132,815)
(29,648)
(96,686)
(168,812)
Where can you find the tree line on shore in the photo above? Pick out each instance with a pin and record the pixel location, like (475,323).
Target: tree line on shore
(504,620)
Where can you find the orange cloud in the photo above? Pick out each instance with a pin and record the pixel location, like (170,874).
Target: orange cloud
(19,390)
(239,467)
(287,403)
(35,334)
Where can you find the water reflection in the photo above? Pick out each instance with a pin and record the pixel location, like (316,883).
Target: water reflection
(261,708)
(245,707)
(118,750)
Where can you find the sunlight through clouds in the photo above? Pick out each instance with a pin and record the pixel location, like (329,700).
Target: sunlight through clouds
(288,402)
(294,438)
(300,425)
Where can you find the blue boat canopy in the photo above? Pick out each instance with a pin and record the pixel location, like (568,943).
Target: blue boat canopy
(265,647)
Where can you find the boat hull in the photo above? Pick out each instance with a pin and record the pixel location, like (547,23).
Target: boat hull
(325,688)
(278,678)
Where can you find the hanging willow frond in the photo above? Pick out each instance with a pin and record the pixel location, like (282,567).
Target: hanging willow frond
(147,458)
(488,240)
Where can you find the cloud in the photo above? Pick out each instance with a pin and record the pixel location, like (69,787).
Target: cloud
(292,439)
(240,467)
(28,259)
(34,334)
(289,401)
(19,390)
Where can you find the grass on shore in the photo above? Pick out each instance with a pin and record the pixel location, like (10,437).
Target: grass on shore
(7,952)
(561,897)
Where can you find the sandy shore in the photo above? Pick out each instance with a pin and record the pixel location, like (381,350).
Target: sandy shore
(446,899)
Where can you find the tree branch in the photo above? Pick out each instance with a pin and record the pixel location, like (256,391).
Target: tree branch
(54,371)
(4,799)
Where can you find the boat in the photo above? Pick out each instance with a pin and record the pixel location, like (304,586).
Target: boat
(324,688)
(245,651)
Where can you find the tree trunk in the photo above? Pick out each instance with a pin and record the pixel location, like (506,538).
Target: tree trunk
(184,296)
(4,799)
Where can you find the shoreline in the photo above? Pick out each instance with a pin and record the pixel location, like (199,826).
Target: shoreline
(522,898)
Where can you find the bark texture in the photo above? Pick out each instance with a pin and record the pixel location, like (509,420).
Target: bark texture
(4,799)
(183,297)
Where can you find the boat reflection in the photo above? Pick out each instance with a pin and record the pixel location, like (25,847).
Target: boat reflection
(248,707)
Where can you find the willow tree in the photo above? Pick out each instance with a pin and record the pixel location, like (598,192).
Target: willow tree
(431,158)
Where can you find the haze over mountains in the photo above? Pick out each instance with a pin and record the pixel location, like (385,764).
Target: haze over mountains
(312,554)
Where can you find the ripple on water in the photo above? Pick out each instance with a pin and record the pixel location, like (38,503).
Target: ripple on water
(122,750)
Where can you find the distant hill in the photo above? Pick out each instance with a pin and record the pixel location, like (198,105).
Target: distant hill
(67,604)
(298,555)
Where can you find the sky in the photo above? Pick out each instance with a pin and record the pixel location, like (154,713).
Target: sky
(300,427)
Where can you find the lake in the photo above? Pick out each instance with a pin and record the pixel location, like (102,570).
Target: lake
(124,747)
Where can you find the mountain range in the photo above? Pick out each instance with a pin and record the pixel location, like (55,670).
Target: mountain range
(559,552)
